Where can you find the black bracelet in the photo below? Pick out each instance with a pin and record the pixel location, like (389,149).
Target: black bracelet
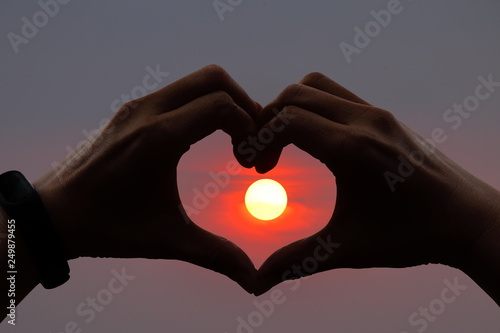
(23,204)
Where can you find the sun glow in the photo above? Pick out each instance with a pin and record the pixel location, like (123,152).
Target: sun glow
(266,199)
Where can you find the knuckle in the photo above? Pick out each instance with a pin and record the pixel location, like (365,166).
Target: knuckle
(131,107)
(221,102)
(124,110)
(291,91)
(221,98)
(312,78)
(294,116)
(383,120)
(291,112)
(122,113)
(216,72)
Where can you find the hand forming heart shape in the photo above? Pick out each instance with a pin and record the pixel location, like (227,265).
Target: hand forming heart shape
(119,198)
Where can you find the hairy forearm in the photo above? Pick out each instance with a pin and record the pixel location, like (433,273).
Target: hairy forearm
(23,278)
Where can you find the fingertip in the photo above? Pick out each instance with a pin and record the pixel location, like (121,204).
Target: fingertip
(261,291)
(246,280)
(244,275)
(263,286)
(262,169)
(270,275)
(242,159)
(258,107)
(283,265)
(267,160)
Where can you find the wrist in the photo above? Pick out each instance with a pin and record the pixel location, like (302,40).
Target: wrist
(477,254)
(482,264)
(48,194)
(468,223)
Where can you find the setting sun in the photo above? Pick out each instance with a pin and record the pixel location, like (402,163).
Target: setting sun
(266,199)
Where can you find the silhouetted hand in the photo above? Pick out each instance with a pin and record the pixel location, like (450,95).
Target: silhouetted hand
(121,200)
(400,202)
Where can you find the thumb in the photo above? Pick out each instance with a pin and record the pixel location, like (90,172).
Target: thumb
(305,257)
(220,255)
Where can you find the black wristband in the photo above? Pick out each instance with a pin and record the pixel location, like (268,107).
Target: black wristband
(23,204)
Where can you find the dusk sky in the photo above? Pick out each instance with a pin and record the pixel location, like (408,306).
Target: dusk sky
(67,78)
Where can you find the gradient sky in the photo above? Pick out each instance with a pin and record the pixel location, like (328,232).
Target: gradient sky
(64,80)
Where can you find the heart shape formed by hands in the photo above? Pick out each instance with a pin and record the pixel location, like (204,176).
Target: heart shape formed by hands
(120,197)
(213,187)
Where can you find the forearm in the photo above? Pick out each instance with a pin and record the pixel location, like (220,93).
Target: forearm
(25,277)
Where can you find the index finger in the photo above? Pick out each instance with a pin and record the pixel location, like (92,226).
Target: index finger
(324,83)
(204,81)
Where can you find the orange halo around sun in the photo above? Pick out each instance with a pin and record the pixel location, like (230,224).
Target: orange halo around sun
(266,199)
